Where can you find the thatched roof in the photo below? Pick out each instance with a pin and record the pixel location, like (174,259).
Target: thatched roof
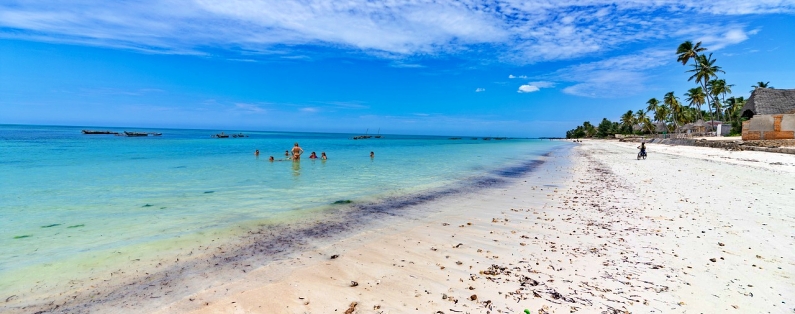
(699,123)
(660,127)
(770,101)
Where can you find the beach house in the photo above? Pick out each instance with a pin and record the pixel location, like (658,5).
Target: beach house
(771,114)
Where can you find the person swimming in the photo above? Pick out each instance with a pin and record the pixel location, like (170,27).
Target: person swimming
(372,154)
(313,155)
(256,153)
(271,158)
(323,156)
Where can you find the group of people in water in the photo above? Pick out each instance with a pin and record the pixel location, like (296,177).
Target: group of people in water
(297,151)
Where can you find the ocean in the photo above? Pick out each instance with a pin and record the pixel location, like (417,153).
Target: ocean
(70,202)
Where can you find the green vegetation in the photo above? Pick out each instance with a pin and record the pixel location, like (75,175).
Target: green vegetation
(671,114)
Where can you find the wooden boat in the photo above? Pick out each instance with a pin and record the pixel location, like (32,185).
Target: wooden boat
(98,132)
(135,134)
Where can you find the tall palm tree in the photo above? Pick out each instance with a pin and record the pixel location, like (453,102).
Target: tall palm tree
(696,98)
(687,51)
(761,84)
(718,87)
(652,105)
(675,106)
(703,70)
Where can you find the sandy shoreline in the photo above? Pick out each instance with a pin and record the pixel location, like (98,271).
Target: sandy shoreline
(607,234)
(596,232)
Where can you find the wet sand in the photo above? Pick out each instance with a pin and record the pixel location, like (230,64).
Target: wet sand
(591,231)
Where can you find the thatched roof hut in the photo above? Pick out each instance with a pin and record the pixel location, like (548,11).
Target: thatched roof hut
(660,127)
(769,101)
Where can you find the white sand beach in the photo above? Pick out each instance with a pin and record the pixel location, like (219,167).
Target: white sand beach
(689,230)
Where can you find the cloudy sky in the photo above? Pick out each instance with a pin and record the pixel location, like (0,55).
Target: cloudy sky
(471,67)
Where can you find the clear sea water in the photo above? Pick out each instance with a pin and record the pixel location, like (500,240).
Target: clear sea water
(65,195)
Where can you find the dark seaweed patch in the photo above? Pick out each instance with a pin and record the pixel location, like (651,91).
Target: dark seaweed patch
(148,205)
(23,236)
(342,202)
(50,226)
(208,192)
(77,226)
(518,171)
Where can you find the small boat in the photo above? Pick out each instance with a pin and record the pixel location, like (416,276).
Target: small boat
(135,134)
(221,135)
(98,132)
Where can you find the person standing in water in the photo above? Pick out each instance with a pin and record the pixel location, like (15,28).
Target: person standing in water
(256,153)
(297,151)
(323,156)
(372,155)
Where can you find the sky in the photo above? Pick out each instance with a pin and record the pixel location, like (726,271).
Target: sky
(519,68)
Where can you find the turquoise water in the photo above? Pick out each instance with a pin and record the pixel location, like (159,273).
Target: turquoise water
(64,194)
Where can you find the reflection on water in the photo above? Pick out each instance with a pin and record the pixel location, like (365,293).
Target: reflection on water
(296,167)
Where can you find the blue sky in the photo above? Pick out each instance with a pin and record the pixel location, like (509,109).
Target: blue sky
(490,68)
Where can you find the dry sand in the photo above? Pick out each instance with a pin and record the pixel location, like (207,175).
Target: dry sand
(689,230)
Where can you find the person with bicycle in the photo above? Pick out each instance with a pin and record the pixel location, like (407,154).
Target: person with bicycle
(642,148)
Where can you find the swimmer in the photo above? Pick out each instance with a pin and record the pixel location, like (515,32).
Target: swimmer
(270,159)
(313,155)
(323,156)
(372,155)
(287,154)
(256,153)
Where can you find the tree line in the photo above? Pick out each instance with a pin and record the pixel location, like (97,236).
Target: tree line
(671,113)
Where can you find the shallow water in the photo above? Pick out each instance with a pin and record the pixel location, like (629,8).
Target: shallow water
(69,196)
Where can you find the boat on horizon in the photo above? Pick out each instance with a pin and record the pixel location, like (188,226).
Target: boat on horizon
(98,132)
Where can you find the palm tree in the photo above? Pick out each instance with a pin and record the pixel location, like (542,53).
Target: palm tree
(761,84)
(696,98)
(643,120)
(687,51)
(735,104)
(703,70)
(652,106)
(628,120)
(719,87)
(675,106)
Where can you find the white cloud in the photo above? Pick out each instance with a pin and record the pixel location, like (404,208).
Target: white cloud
(480,90)
(517,31)
(618,76)
(542,84)
(309,109)
(511,76)
(527,89)
(249,108)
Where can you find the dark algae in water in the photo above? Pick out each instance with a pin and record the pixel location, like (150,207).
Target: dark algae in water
(23,236)
(50,226)
(77,226)
(148,205)
(208,192)
(342,202)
